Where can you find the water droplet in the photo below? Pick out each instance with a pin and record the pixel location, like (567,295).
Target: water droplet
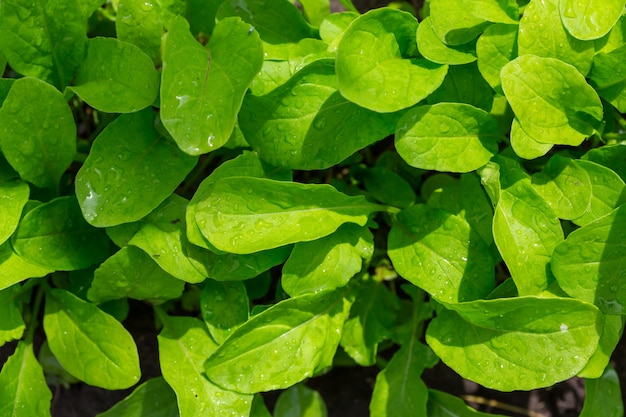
(320,122)
(147,6)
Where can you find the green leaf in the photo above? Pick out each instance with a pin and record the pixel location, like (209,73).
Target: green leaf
(610,156)
(184,345)
(441,254)
(130,170)
(371,317)
(224,307)
(116,77)
(132,273)
(494,49)
(591,263)
(607,191)
(153,398)
(202,89)
(464,84)
(377,66)
(161,235)
(526,231)
(23,388)
(55,235)
(433,49)
(603,396)
(14,194)
(141,23)
(518,343)
(388,187)
(14,268)
(590,19)
(277,22)
(39,145)
(90,344)
(606,70)
(524,145)
(259,409)
(541,33)
(315,11)
(327,263)
(447,137)
(44,39)
(456,22)
(12,327)
(300,401)
(612,331)
(283,345)
(565,186)
(334,26)
(246,215)
(564,110)
(307,124)
(441,404)
(399,391)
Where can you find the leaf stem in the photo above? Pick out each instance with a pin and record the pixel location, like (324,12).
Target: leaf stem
(32,325)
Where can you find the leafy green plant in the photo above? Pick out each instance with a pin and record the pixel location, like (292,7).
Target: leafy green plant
(290,188)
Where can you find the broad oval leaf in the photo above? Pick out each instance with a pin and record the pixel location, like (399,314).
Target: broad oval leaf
(591,263)
(590,19)
(202,89)
(433,49)
(475,92)
(224,307)
(495,48)
(447,137)
(307,124)
(518,343)
(377,66)
(282,345)
(300,401)
(116,77)
(154,398)
(246,215)
(551,100)
(54,235)
(524,145)
(130,170)
(184,345)
(90,344)
(23,387)
(608,191)
(40,146)
(441,254)
(541,33)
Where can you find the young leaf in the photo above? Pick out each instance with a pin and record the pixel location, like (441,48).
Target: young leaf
(116,77)
(376,65)
(23,389)
(14,194)
(300,401)
(141,23)
(283,345)
(113,187)
(13,326)
(610,156)
(565,186)
(224,306)
(399,391)
(307,124)
(153,398)
(132,273)
(524,145)
(441,404)
(55,236)
(315,10)
(432,48)
(475,90)
(447,137)
(603,396)
(38,145)
(90,344)
(334,26)
(612,331)
(591,263)
(246,215)
(184,344)
(441,254)
(565,109)
(327,263)
(541,33)
(495,48)
(518,343)
(590,19)
(202,90)
(14,268)
(44,39)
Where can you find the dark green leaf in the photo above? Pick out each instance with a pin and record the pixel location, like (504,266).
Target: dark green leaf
(441,404)
(300,401)
(388,187)
(603,396)
(224,306)
(153,398)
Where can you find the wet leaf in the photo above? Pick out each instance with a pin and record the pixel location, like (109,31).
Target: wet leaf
(433,49)
(518,343)
(130,170)
(90,344)
(14,194)
(39,145)
(524,145)
(612,331)
(224,307)
(153,398)
(14,268)
(495,48)
(464,84)
(283,345)
(590,19)
(377,66)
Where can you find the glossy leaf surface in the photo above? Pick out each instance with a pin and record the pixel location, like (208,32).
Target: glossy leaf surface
(494,49)
(377,65)
(435,137)
(281,346)
(245,214)
(38,145)
(224,306)
(607,191)
(602,396)
(202,89)
(71,325)
(14,268)
(14,194)
(13,326)
(153,398)
(590,19)
(432,48)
